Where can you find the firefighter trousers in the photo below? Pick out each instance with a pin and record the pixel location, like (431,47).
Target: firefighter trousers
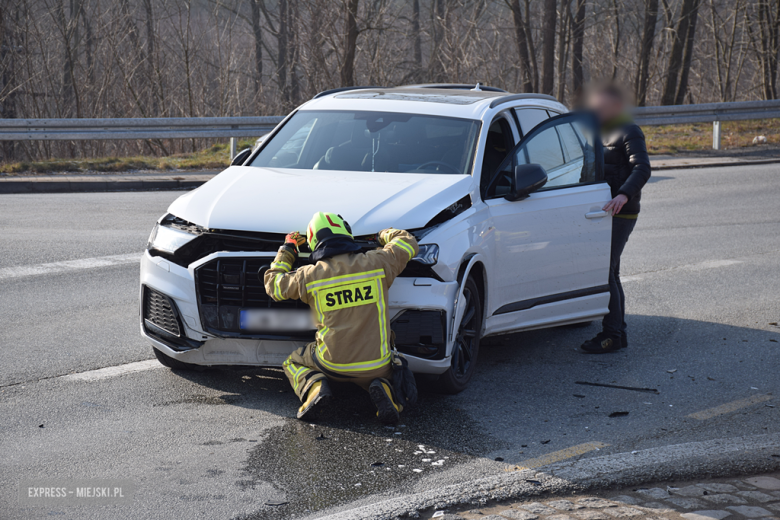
(302,371)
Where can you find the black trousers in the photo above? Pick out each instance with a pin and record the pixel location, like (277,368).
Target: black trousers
(614,323)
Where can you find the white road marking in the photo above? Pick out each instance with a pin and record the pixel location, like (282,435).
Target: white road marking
(701,266)
(105,373)
(7,273)
(709,264)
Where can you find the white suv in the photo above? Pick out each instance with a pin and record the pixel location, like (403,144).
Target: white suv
(503,192)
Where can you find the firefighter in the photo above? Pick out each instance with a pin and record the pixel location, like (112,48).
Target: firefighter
(346,289)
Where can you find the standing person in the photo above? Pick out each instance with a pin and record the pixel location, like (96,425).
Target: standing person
(346,289)
(627,170)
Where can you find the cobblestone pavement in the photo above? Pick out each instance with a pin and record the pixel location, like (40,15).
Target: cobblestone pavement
(750,498)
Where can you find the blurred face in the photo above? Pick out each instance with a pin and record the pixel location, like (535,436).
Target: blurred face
(605,106)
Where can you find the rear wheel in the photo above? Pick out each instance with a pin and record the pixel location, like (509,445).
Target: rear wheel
(175,364)
(466,348)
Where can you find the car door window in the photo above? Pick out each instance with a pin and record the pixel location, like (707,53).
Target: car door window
(497,146)
(530,117)
(566,146)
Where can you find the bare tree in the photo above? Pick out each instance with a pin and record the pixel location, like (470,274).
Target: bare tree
(350,43)
(549,19)
(645,51)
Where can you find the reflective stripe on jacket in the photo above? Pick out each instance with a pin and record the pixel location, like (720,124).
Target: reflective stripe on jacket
(348,297)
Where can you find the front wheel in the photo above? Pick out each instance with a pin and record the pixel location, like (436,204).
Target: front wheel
(466,348)
(175,364)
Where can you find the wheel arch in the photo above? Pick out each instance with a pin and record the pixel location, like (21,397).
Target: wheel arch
(478,271)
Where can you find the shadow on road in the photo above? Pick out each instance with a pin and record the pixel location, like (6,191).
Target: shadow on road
(523,381)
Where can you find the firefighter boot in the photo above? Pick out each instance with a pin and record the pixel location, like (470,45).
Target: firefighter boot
(318,392)
(382,396)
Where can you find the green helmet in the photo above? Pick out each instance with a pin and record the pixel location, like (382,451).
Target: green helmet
(324,226)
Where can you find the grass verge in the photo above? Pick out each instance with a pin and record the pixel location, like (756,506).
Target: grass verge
(215,157)
(671,139)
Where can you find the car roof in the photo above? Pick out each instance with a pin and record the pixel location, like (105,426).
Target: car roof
(441,100)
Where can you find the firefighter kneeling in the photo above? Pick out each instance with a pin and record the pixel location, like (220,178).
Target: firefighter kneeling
(346,289)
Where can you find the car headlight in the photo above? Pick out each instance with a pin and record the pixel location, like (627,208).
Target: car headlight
(428,255)
(168,239)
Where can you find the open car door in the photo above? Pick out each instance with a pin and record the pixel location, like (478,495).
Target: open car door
(551,248)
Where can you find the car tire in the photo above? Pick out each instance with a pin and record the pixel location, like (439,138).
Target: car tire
(175,364)
(466,349)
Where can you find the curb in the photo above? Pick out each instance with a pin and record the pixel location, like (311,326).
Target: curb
(715,458)
(96,183)
(720,164)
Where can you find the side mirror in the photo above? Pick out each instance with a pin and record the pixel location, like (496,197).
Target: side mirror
(528,179)
(240,157)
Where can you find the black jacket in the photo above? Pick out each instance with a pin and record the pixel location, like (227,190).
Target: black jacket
(626,164)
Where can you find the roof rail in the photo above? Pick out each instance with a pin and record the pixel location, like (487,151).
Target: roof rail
(341,89)
(455,86)
(514,97)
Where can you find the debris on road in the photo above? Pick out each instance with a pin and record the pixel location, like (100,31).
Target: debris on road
(377,464)
(546,442)
(579,395)
(672,371)
(499,459)
(321,437)
(635,389)
(618,414)
(275,504)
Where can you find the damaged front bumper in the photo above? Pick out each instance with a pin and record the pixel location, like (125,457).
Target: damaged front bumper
(419,309)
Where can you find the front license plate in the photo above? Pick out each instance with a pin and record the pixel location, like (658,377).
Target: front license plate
(275,320)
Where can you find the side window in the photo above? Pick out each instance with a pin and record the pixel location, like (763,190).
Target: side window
(497,147)
(570,142)
(530,117)
(566,146)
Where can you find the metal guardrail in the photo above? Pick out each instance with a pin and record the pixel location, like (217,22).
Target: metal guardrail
(233,127)
(137,128)
(713,113)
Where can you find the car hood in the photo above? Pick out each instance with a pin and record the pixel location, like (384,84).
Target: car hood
(245,198)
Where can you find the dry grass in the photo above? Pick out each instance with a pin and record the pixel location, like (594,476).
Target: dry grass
(694,137)
(215,157)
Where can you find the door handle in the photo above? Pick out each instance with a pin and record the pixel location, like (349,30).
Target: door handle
(596,214)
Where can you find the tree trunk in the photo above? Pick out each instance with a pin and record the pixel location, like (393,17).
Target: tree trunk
(578,37)
(257,32)
(7,80)
(675,64)
(350,44)
(548,46)
(437,52)
(682,88)
(283,38)
(563,49)
(521,39)
(417,35)
(616,44)
(646,49)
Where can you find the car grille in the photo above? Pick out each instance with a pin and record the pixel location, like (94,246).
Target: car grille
(227,285)
(159,312)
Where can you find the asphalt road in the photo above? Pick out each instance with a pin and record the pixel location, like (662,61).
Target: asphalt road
(702,286)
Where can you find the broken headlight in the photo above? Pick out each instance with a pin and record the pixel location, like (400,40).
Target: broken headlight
(168,239)
(428,255)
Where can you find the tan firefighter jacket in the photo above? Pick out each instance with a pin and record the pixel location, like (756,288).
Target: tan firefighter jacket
(348,298)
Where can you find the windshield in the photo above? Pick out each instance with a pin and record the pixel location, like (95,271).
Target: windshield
(372,142)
